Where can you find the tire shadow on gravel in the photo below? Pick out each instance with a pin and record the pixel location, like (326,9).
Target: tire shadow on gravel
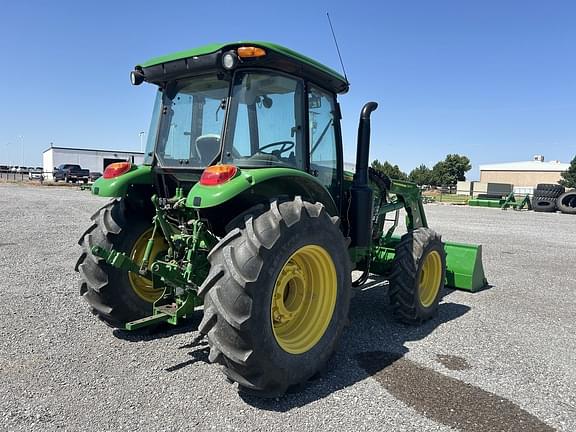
(372,329)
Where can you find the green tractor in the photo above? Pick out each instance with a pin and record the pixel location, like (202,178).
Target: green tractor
(242,208)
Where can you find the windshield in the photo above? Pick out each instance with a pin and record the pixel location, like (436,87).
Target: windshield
(188,129)
(265,126)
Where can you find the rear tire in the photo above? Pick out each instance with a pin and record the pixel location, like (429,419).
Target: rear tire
(240,296)
(108,290)
(414,296)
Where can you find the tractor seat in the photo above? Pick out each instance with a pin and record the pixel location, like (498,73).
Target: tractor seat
(207,147)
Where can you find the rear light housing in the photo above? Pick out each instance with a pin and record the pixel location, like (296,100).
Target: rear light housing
(217,174)
(116,169)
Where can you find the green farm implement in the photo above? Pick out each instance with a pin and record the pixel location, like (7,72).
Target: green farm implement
(515,204)
(242,208)
(510,202)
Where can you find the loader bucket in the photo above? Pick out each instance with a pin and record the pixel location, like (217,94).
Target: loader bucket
(464,268)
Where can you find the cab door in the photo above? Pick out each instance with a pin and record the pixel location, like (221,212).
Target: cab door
(324,138)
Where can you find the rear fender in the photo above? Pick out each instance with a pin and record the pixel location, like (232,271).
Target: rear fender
(136,186)
(119,187)
(250,187)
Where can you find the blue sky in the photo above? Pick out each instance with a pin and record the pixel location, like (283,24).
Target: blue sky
(494,80)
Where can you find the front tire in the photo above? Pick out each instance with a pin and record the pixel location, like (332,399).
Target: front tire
(277,296)
(116,296)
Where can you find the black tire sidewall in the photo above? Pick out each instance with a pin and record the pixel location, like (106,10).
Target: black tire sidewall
(544,204)
(405,277)
(563,207)
(299,366)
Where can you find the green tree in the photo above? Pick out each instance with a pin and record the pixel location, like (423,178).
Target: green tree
(392,171)
(450,170)
(569,176)
(438,174)
(421,175)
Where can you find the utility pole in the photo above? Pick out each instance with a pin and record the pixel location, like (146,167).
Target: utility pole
(142,141)
(22,144)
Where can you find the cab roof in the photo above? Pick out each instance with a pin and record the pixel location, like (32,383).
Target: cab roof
(278,57)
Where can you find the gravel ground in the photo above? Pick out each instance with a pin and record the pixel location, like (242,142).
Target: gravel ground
(500,359)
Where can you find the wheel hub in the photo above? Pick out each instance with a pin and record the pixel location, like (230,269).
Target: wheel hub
(289,296)
(430,278)
(142,286)
(303,299)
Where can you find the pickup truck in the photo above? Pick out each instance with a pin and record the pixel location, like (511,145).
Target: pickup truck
(70,173)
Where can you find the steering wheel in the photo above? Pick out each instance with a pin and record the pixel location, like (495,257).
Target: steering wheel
(284,147)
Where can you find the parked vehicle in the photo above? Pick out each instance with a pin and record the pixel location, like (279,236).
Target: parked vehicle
(95,176)
(71,173)
(4,168)
(35,173)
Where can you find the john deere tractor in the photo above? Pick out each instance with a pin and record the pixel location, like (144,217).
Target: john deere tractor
(243,209)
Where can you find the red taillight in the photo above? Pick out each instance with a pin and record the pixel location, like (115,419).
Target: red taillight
(116,169)
(217,174)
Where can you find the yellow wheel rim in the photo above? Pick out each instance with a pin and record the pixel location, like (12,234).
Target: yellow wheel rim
(303,300)
(430,278)
(142,286)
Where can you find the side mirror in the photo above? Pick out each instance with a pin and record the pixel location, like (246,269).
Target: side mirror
(266,101)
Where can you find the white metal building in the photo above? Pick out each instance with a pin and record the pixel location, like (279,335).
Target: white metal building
(526,174)
(91,159)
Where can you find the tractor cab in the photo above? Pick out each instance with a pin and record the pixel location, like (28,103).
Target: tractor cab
(250,105)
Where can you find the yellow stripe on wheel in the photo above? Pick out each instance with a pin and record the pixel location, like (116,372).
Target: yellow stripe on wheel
(430,278)
(303,299)
(142,286)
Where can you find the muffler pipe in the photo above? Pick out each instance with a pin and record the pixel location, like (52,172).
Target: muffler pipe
(363,144)
(361,195)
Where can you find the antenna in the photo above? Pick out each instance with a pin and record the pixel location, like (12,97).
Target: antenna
(337,48)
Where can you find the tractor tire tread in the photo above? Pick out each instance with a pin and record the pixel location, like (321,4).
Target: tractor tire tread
(236,265)
(544,204)
(555,188)
(546,194)
(403,297)
(95,286)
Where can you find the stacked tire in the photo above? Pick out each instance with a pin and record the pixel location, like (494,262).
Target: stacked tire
(566,202)
(546,196)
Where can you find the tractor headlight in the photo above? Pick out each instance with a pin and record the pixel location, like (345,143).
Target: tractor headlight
(229,60)
(136,77)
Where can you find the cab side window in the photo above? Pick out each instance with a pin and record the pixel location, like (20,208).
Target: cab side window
(323,154)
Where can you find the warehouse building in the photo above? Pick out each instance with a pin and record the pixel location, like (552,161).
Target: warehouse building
(526,174)
(91,159)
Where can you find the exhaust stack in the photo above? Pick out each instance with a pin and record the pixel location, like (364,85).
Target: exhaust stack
(360,221)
